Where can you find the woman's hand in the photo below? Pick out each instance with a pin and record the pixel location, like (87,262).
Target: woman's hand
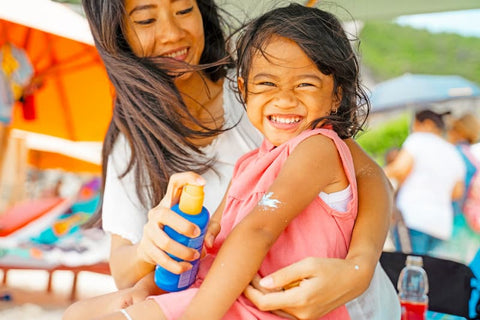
(155,244)
(315,286)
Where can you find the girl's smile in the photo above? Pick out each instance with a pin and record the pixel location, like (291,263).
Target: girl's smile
(285,91)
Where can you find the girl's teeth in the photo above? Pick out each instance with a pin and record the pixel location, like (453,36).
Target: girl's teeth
(285,120)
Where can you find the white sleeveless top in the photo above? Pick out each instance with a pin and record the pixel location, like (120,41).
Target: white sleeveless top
(124,216)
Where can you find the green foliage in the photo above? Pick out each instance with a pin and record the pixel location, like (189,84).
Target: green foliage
(391,134)
(390,50)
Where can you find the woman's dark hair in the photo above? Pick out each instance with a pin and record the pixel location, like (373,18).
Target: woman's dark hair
(322,38)
(436,118)
(148,108)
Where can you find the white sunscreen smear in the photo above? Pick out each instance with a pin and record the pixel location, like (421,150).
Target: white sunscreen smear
(267,202)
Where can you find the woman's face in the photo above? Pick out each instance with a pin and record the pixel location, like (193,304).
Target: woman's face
(167,28)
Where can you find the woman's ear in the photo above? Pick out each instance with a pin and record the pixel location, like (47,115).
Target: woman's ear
(241,88)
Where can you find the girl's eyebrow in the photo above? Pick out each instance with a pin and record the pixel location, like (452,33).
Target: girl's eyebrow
(309,76)
(144,7)
(301,76)
(265,75)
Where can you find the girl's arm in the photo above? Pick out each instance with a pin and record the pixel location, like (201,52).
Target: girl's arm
(331,283)
(246,246)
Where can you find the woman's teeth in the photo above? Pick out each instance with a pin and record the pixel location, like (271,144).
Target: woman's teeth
(176,54)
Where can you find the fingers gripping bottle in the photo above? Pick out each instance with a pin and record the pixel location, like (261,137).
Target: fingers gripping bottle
(191,208)
(413,289)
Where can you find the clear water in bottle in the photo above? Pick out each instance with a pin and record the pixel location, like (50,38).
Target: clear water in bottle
(413,289)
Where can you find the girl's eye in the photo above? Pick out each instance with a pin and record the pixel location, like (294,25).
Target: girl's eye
(266,83)
(145,22)
(185,11)
(305,84)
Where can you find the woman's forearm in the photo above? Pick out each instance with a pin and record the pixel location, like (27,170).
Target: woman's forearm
(125,266)
(374,213)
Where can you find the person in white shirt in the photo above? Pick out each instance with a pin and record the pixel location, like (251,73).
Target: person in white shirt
(431,174)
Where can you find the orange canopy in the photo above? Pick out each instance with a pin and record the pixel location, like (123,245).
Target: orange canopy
(73,95)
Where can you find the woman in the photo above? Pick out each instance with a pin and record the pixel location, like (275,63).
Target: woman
(180,117)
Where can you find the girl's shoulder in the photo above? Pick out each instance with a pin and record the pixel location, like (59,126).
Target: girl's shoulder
(317,136)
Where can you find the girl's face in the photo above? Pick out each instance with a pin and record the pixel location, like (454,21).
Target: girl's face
(286,91)
(167,28)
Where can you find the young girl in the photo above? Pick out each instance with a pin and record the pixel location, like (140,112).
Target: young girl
(295,196)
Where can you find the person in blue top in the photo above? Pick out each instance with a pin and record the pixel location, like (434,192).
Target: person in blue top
(463,132)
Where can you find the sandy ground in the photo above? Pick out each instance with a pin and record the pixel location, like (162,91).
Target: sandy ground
(31,301)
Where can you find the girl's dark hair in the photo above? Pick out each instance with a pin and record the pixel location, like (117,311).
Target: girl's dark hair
(436,118)
(148,108)
(322,38)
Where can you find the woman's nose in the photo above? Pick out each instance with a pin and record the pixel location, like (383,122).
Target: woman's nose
(169,30)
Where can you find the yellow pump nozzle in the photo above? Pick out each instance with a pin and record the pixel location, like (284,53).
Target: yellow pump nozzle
(191,199)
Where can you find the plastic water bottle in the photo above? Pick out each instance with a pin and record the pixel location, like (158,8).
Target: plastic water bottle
(191,208)
(412,289)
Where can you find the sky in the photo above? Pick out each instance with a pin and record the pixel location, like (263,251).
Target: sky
(464,22)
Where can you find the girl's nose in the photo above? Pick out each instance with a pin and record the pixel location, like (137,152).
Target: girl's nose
(286,99)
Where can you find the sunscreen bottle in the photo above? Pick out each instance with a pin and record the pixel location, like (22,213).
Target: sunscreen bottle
(191,208)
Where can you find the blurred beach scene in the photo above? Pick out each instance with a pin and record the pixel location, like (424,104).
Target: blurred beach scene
(58,182)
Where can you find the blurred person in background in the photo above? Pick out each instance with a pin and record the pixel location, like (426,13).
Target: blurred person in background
(431,175)
(463,132)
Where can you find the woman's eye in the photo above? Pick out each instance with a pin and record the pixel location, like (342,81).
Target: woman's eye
(145,22)
(185,11)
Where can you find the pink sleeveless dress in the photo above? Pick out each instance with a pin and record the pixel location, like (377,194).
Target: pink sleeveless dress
(318,231)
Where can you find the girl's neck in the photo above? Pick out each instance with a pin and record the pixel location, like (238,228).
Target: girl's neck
(204,100)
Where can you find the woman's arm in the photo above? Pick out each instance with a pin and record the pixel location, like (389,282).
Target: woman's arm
(131,262)
(330,283)
(375,196)
(244,249)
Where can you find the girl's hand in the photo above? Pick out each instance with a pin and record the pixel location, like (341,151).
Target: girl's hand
(155,244)
(212,232)
(315,286)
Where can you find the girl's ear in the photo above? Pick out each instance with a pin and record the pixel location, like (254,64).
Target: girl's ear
(337,98)
(241,87)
